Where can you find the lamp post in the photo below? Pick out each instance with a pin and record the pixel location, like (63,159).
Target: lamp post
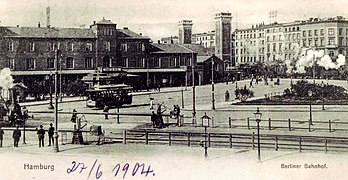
(193,92)
(310,93)
(258,115)
(55,147)
(322,95)
(49,79)
(212,85)
(205,124)
(182,97)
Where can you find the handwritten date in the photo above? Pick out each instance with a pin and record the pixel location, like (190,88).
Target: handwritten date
(123,170)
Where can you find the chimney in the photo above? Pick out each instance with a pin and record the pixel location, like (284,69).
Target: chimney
(17,25)
(125,27)
(171,41)
(38,25)
(93,22)
(140,34)
(158,42)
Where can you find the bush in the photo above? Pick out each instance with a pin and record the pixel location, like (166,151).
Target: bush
(301,88)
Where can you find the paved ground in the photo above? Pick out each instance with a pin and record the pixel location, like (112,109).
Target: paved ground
(179,162)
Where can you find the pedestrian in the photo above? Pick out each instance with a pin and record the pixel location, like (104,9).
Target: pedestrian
(41,135)
(159,114)
(251,84)
(74,116)
(16,136)
(50,135)
(1,135)
(227,96)
(154,119)
(151,103)
(106,111)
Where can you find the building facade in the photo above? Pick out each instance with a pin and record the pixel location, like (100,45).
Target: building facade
(207,40)
(30,54)
(284,41)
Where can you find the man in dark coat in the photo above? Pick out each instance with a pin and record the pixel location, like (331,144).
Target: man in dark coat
(154,119)
(16,136)
(41,136)
(50,135)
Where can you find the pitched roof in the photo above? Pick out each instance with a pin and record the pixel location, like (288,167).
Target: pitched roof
(126,33)
(45,32)
(171,48)
(200,50)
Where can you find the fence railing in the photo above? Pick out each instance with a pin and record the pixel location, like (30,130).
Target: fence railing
(230,140)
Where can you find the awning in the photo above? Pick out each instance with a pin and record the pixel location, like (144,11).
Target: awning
(32,73)
(166,70)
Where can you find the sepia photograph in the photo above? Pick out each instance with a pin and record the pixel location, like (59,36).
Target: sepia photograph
(173,89)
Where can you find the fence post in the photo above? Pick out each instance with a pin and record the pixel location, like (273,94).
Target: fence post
(124,136)
(289,120)
(230,140)
(325,145)
(276,143)
(118,115)
(269,123)
(329,125)
(229,122)
(253,140)
(212,122)
(248,123)
(208,139)
(309,126)
(147,138)
(300,144)
(170,138)
(188,139)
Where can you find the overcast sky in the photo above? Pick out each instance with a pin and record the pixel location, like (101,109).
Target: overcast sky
(159,18)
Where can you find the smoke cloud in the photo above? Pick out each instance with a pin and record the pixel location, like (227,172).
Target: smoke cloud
(6,82)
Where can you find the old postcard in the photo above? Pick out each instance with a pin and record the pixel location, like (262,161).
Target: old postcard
(130,89)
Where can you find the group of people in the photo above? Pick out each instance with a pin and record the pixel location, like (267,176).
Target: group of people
(17,134)
(157,119)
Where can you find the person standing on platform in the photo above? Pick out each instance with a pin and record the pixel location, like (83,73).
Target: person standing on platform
(152,102)
(41,136)
(50,135)
(106,111)
(16,136)
(1,136)
(154,119)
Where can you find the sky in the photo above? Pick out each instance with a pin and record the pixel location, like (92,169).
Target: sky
(159,18)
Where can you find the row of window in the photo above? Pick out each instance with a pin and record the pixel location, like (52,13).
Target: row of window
(54,46)
(247,36)
(250,59)
(30,63)
(139,47)
(156,62)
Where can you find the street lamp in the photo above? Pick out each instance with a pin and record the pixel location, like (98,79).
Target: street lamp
(49,79)
(322,95)
(258,115)
(310,93)
(193,92)
(212,85)
(205,124)
(182,97)
(56,148)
